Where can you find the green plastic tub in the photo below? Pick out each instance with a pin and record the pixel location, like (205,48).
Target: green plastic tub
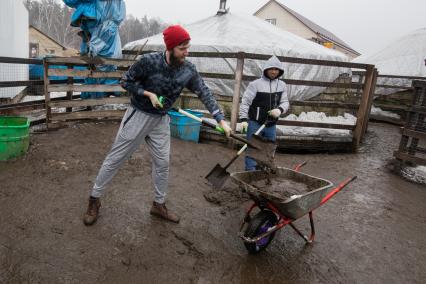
(14,137)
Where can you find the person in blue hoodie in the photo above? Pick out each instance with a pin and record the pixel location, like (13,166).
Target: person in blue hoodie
(264,100)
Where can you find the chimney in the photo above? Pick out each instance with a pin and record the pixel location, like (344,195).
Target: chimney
(222,8)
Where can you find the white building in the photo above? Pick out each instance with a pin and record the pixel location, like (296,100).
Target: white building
(13,43)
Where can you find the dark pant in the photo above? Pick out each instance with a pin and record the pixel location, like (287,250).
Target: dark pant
(269,133)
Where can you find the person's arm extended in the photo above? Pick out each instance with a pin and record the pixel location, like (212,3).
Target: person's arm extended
(198,87)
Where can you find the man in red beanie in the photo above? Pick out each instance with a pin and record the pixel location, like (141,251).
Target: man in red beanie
(159,74)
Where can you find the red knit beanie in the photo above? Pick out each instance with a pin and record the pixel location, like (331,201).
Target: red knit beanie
(175,35)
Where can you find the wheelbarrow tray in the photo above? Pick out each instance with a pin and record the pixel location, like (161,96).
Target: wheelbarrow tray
(293,207)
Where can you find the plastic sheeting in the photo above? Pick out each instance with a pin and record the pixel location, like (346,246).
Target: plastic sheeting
(99,21)
(233,33)
(404,57)
(14,43)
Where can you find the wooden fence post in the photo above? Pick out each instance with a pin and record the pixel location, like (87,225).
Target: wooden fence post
(70,81)
(362,113)
(237,89)
(46,92)
(370,102)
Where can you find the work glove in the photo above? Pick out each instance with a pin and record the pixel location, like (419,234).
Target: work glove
(155,101)
(275,113)
(244,126)
(224,125)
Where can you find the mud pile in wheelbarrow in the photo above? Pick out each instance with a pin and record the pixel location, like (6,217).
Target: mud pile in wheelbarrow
(282,188)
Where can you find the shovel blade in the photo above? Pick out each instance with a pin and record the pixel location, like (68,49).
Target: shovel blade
(217,176)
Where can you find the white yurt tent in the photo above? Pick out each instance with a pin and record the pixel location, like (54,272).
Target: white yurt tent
(233,33)
(403,57)
(13,43)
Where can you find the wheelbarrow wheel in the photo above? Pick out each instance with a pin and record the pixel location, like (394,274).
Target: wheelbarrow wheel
(258,225)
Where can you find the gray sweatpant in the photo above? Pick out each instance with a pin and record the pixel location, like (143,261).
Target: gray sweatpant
(138,127)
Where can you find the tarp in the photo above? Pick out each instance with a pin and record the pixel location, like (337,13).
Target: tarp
(233,33)
(14,43)
(404,57)
(99,21)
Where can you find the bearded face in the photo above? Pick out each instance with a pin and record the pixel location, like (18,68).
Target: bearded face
(179,54)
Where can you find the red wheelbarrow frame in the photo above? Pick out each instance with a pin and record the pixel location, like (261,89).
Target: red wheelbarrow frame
(282,219)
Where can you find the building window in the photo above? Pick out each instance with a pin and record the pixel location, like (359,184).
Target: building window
(33,50)
(51,51)
(272,21)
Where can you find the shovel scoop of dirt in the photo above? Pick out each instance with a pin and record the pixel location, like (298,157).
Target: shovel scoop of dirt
(264,153)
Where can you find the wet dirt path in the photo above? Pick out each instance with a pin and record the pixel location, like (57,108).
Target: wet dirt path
(373,231)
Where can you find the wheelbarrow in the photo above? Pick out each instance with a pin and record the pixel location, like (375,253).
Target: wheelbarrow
(277,206)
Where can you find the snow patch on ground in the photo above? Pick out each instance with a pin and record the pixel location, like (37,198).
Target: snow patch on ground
(376,111)
(321,117)
(415,174)
(311,131)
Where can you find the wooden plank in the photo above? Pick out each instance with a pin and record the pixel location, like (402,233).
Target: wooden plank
(418,109)
(112,114)
(84,73)
(401,77)
(391,107)
(419,84)
(370,102)
(351,85)
(394,87)
(15,60)
(413,133)
(90,102)
(7,84)
(46,91)
(20,109)
(315,124)
(281,58)
(409,158)
(358,73)
(237,89)
(86,88)
(363,107)
(323,84)
(70,81)
(89,61)
(325,104)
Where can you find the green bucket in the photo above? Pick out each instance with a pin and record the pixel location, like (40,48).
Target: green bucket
(14,137)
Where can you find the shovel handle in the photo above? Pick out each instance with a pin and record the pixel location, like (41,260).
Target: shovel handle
(207,123)
(243,148)
(260,129)
(212,125)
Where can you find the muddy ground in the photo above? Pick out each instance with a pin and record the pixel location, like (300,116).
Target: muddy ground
(372,232)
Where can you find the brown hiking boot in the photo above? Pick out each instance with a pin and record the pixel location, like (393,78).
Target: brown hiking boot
(160,210)
(92,211)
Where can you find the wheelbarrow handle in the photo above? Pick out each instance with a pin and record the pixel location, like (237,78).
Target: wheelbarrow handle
(337,189)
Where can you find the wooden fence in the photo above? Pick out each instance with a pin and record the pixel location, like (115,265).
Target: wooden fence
(398,102)
(412,148)
(74,105)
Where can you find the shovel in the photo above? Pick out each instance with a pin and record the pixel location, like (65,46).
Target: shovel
(218,128)
(218,175)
